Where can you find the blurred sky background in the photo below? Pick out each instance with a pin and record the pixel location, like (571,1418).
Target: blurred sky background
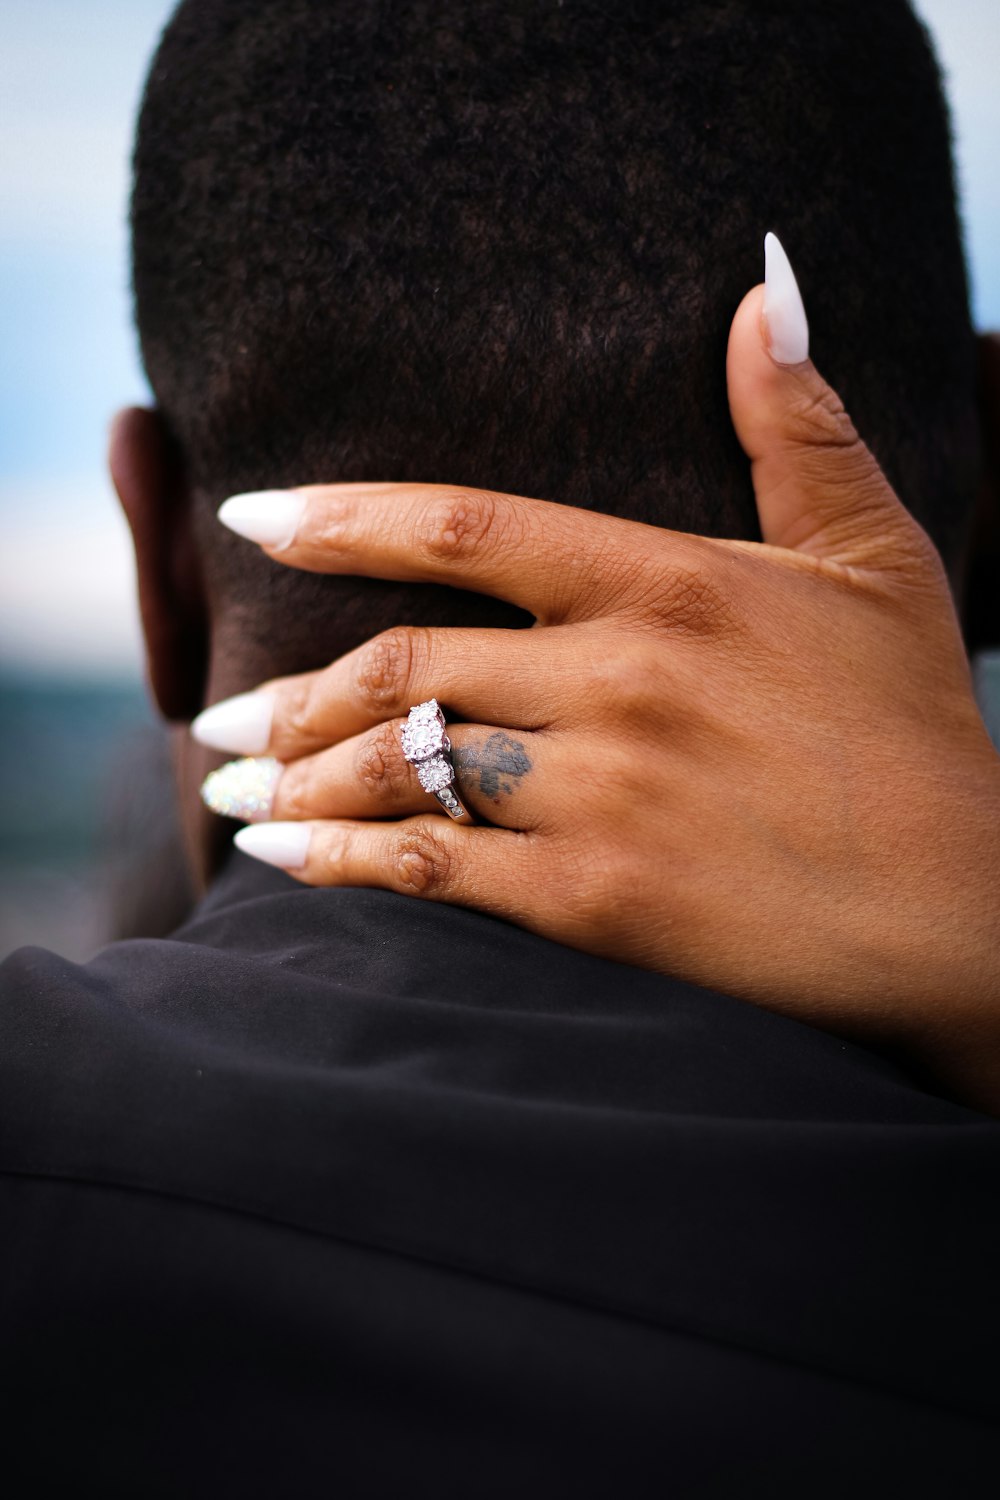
(70,77)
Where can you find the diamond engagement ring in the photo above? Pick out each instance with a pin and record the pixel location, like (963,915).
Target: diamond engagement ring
(427,746)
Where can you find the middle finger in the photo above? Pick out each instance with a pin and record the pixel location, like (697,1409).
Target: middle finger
(509,678)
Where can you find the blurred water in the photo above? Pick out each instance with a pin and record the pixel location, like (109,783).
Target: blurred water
(988,691)
(87,818)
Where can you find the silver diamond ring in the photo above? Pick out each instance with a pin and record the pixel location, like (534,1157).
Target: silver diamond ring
(427,746)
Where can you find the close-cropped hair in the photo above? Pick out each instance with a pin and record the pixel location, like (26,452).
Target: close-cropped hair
(500,244)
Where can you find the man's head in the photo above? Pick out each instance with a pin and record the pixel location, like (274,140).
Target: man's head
(501,244)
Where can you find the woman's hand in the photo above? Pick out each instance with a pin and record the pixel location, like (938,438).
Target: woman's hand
(758,767)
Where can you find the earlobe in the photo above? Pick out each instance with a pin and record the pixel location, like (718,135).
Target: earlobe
(148,477)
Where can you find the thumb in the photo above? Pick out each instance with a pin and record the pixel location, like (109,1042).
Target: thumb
(819,489)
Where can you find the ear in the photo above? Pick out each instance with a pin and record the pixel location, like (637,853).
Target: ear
(981,591)
(148,476)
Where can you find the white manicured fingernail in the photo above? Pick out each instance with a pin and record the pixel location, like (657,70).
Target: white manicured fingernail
(269,517)
(243,789)
(241,724)
(787,327)
(282,844)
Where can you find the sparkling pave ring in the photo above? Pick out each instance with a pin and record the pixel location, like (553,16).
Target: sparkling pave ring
(427,747)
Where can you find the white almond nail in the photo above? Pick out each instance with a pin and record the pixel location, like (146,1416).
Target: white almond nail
(269,517)
(241,724)
(787,326)
(282,844)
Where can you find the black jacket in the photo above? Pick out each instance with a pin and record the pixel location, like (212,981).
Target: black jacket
(341,1193)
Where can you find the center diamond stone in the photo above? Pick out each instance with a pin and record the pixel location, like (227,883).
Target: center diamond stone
(423,733)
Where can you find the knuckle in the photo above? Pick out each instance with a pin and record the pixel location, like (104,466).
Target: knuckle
(337,847)
(386,668)
(297,711)
(424,863)
(608,586)
(629,685)
(462,522)
(382,768)
(914,559)
(602,884)
(292,798)
(924,555)
(817,418)
(690,598)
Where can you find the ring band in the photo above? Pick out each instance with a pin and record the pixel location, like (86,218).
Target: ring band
(427,747)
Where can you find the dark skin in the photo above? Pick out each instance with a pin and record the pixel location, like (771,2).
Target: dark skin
(187,670)
(884,842)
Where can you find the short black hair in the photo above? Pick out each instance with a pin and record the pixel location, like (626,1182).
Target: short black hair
(501,244)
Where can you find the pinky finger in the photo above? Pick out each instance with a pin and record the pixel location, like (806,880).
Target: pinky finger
(426,856)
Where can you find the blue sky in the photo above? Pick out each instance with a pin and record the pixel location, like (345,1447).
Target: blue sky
(70,76)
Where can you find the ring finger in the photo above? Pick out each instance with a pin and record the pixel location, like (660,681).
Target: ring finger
(498,776)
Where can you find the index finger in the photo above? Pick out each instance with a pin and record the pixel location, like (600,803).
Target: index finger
(554,561)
